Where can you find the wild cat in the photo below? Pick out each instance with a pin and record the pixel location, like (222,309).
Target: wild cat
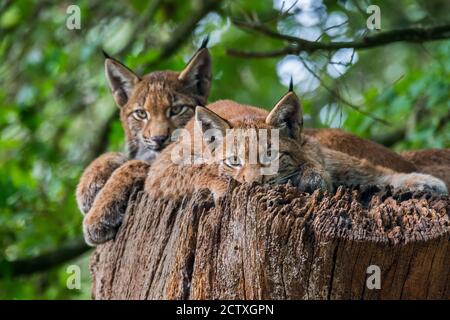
(300,157)
(151,107)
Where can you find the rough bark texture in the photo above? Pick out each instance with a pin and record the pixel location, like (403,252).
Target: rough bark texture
(278,243)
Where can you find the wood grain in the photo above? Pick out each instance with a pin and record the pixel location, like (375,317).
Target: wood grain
(277,243)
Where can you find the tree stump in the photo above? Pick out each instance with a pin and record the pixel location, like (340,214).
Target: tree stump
(278,243)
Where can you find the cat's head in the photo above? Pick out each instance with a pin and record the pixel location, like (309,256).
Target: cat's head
(266,150)
(154,105)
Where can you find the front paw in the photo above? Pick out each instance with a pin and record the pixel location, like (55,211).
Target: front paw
(418,182)
(94,178)
(85,195)
(218,193)
(309,181)
(98,229)
(219,188)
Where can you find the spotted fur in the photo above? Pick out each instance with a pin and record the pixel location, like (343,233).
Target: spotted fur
(151,108)
(303,160)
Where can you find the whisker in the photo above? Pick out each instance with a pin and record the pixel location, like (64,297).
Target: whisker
(283,178)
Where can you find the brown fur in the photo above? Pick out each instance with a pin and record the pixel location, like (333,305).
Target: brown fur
(431,161)
(328,168)
(304,161)
(158,103)
(166,98)
(179,180)
(428,157)
(109,205)
(95,176)
(339,140)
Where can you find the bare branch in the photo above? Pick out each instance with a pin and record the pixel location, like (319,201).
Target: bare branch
(337,96)
(144,20)
(297,45)
(65,252)
(266,54)
(185,28)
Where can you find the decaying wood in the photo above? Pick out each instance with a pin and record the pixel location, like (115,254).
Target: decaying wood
(278,243)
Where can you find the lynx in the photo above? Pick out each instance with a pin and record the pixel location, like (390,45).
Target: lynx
(301,160)
(151,107)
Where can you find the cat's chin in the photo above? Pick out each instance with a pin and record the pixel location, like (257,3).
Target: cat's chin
(147,154)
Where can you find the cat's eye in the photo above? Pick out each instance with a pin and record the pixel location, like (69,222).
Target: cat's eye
(177,110)
(233,161)
(140,114)
(267,157)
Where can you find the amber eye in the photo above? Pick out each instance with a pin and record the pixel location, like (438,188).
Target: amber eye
(140,114)
(177,110)
(233,161)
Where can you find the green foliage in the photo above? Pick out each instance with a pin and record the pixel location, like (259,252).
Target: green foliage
(55,101)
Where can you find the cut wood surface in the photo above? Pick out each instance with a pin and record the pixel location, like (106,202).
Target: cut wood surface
(278,243)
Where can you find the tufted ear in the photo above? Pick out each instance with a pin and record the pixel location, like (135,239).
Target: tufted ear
(121,80)
(197,74)
(211,125)
(287,116)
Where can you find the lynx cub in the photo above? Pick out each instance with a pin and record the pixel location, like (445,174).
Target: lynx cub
(183,168)
(151,107)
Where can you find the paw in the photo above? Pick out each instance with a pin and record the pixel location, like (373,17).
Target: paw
(309,181)
(98,230)
(218,194)
(85,196)
(418,182)
(219,189)
(103,221)
(94,178)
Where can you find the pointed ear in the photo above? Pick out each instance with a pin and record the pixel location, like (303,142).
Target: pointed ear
(121,80)
(287,116)
(211,125)
(197,74)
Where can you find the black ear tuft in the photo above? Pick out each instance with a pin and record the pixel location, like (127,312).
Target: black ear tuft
(204,42)
(291,85)
(196,76)
(121,80)
(107,56)
(287,116)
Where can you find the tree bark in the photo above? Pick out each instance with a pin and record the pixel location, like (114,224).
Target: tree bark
(277,243)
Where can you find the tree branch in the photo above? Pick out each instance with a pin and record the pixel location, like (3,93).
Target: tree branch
(297,45)
(185,28)
(142,22)
(45,261)
(337,96)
